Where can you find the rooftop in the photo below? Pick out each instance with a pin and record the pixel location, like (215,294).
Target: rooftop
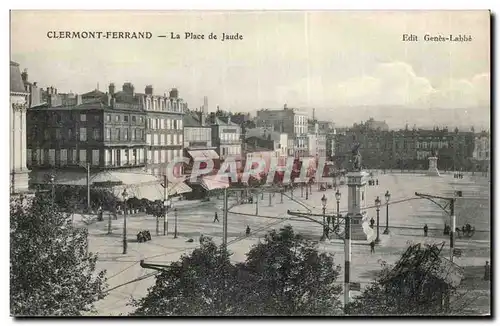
(16,82)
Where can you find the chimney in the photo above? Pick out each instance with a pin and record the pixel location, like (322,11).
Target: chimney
(314,114)
(111,88)
(24,75)
(78,99)
(55,90)
(148,90)
(108,97)
(202,118)
(285,107)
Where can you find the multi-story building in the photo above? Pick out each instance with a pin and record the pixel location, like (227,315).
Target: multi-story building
(481,154)
(293,122)
(96,131)
(279,140)
(226,137)
(164,126)
(198,139)
(317,139)
(19,173)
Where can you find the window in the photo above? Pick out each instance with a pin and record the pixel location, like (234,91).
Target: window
(169,139)
(58,134)
(162,124)
(97,134)
(125,118)
(95,157)
(164,155)
(70,134)
(176,138)
(148,139)
(117,134)
(155,139)
(97,118)
(52,157)
(83,134)
(134,118)
(117,118)
(169,121)
(133,134)
(157,123)
(46,134)
(134,156)
(83,117)
(141,119)
(108,133)
(180,124)
(108,118)
(175,124)
(83,156)
(162,139)
(71,156)
(126,156)
(125,134)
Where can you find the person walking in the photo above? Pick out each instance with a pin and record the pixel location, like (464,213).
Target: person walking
(372,247)
(426,229)
(247,231)
(216,218)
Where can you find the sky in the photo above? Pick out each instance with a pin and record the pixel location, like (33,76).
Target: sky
(329,60)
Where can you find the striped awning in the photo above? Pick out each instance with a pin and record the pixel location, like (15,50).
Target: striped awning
(153,191)
(208,154)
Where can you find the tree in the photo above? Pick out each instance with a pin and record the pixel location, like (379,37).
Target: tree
(283,275)
(196,285)
(418,284)
(286,275)
(51,271)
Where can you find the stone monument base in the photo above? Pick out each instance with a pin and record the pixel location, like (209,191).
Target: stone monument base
(357,232)
(433,171)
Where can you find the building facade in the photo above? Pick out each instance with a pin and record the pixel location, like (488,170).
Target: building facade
(96,133)
(481,154)
(293,122)
(19,173)
(226,137)
(164,129)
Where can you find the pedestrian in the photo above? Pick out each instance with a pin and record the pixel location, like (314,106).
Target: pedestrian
(487,271)
(99,214)
(426,229)
(247,231)
(377,182)
(372,247)
(216,218)
(372,222)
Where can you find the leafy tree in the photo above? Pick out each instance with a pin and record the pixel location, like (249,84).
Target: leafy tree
(51,271)
(283,275)
(196,285)
(418,284)
(286,275)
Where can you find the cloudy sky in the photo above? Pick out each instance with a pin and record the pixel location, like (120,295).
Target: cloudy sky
(325,60)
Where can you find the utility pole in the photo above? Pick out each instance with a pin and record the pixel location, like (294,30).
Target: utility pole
(257,205)
(175,223)
(88,187)
(347,267)
(453,220)
(224,220)
(165,203)
(270,204)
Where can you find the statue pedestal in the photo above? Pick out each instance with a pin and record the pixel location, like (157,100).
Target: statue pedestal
(433,171)
(357,232)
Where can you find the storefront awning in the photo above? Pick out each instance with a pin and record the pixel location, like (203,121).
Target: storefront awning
(213,182)
(152,191)
(208,154)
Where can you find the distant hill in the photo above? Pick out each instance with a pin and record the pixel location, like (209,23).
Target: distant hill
(398,117)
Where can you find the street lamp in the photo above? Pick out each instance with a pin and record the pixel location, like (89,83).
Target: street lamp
(337,197)
(377,204)
(125,196)
(323,201)
(387,198)
(52,182)
(175,223)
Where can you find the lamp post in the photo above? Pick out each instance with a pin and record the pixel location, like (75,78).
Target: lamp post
(52,182)
(377,204)
(323,201)
(125,196)
(337,197)
(175,223)
(387,198)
